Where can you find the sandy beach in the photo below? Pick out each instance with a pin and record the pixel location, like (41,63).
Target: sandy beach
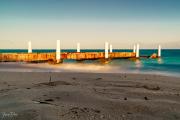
(88,96)
(89,59)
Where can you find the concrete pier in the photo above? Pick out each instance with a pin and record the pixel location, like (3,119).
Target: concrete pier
(78,47)
(29,47)
(137,51)
(134,48)
(106,50)
(110,48)
(159,51)
(54,58)
(58,57)
(58,52)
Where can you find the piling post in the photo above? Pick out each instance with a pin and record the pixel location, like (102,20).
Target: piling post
(134,49)
(137,51)
(78,47)
(106,50)
(29,47)
(159,51)
(58,52)
(110,47)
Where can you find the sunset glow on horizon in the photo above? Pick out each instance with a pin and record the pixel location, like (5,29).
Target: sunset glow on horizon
(122,23)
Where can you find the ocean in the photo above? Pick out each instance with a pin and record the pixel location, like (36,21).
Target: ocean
(168,64)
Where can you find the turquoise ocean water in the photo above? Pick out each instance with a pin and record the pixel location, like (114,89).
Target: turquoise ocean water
(168,64)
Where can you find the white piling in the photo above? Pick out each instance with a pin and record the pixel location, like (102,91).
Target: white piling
(137,51)
(106,50)
(29,47)
(134,49)
(78,47)
(159,51)
(111,49)
(58,51)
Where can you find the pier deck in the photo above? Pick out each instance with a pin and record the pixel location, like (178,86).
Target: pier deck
(35,57)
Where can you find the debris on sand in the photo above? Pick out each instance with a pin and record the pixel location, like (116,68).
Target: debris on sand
(98,78)
(55,83)
(151,87)
(77,112)
(41,102)
(129,113)
(146,98)
(49,100)
(74,78)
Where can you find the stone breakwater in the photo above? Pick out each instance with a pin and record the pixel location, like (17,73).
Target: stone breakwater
(40,57)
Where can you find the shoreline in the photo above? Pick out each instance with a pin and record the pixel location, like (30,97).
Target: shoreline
(108,73)
(96,96)
(79,68)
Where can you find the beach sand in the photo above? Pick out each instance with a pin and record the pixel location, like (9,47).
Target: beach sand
(88,96)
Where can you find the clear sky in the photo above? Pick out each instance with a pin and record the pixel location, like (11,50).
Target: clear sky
(90,22)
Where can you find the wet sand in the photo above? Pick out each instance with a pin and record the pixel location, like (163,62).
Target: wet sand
(88,96)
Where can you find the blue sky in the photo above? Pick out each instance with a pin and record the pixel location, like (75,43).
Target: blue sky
(90,22)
